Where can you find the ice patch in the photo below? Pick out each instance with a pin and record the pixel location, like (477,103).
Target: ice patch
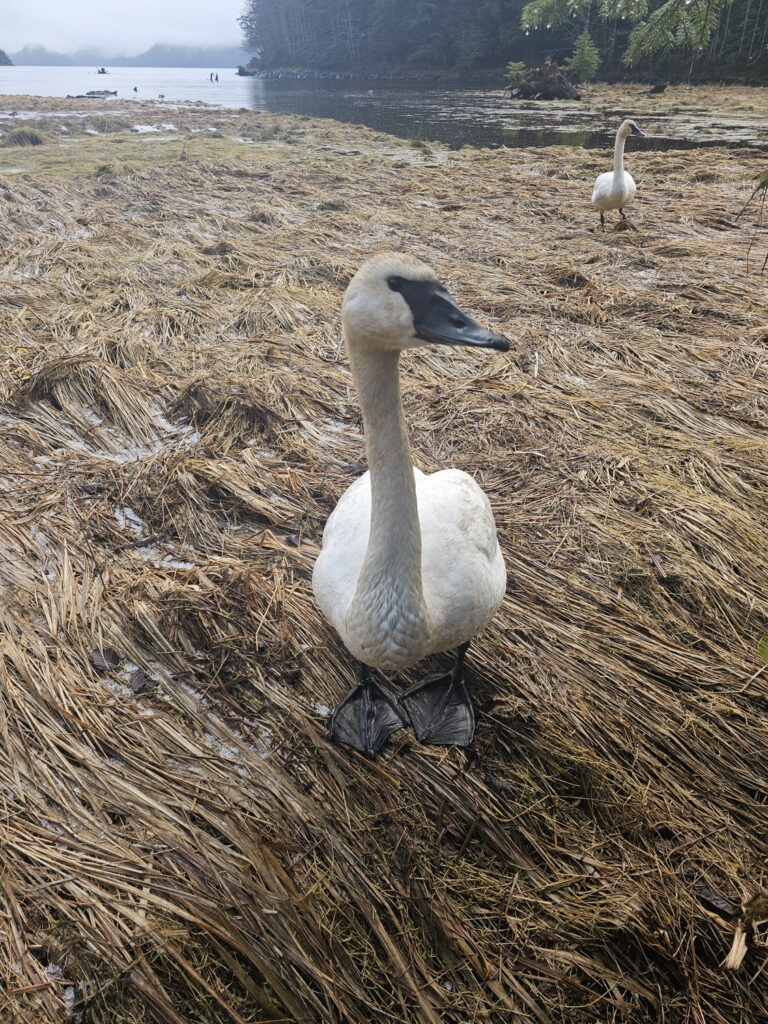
(128,520)
(92,416)
(69,1000)
(176,563)
(119,689)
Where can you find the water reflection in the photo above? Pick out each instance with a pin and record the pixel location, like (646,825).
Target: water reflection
(457,116)
(536,137)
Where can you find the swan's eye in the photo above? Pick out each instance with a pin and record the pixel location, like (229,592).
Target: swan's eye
(395,283)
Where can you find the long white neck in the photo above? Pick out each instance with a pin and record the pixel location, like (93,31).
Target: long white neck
(618,156)
(390,575)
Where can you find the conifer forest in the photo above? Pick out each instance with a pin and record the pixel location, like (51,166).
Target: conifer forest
(705,39)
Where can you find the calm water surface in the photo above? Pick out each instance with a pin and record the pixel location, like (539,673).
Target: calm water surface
(443,112)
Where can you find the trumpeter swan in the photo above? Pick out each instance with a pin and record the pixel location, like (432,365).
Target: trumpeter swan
(615,189)
(410,564)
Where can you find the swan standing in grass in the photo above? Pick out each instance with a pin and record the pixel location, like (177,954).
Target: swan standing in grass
(615,189)
(410,564)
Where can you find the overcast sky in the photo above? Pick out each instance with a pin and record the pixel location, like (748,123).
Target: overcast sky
(123,27)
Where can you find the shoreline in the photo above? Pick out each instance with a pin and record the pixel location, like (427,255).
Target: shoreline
(684,117)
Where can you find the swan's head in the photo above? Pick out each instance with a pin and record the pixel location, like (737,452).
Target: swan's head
(396,302)
(628,127)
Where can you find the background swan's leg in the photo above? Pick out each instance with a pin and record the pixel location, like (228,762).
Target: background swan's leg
(602,220)
(367,717)
(440,709)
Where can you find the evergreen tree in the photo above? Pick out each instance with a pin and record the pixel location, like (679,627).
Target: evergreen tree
(674,36)
(692,28)
(5,59)
(585,60)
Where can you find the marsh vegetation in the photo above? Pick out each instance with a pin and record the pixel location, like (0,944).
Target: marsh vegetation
(182,841)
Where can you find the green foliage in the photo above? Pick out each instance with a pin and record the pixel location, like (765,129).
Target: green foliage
(629,10)
(678,24)
(551,13)
(725,36)
(585,60)
(515,71)
(719,33)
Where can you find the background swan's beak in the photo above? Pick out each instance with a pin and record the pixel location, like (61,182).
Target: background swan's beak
(445,323)
(636,131)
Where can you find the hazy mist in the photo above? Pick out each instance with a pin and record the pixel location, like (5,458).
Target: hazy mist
(126,28)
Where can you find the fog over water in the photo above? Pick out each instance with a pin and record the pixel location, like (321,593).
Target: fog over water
(118,28)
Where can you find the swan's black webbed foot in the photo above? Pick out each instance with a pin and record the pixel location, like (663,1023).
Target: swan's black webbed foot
(440,709)
(367,717)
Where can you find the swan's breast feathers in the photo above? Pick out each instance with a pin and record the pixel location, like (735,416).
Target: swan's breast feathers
(463,573)
(607,195)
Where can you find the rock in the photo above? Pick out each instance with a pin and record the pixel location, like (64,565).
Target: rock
(546,83)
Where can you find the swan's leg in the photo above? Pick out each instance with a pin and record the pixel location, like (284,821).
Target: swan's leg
(602,220)
(623,215)
(440,709)
(367,717)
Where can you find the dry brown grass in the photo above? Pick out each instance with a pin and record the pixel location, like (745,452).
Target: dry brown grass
(183,843)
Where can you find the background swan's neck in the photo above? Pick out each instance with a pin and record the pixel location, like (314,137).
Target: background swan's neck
(618,156)
(391,571)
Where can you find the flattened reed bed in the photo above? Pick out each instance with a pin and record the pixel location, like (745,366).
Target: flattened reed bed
(180,842)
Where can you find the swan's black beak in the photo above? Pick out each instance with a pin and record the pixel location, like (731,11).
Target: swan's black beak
(445,323)
(438,319)
(636,130)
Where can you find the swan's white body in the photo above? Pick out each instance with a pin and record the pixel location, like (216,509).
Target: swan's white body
(615,189)
(410,563)
(390,618)
(612,191)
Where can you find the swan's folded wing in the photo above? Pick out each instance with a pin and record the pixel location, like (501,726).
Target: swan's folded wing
(345,539)
(602,186)
(462,565)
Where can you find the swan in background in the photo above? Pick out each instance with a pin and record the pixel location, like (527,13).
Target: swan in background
(615,189)
(410,564)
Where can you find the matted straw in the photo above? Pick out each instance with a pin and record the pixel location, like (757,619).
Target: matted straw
(180,841)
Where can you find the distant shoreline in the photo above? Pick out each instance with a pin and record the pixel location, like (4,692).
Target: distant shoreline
(160,55)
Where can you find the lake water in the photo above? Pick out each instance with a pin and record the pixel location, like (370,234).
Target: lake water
(434,111)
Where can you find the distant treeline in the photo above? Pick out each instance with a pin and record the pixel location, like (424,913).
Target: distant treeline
(4,58)
(703,38)
(159,56)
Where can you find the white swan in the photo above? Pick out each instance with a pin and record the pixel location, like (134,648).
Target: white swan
(615,189)
(410,564)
